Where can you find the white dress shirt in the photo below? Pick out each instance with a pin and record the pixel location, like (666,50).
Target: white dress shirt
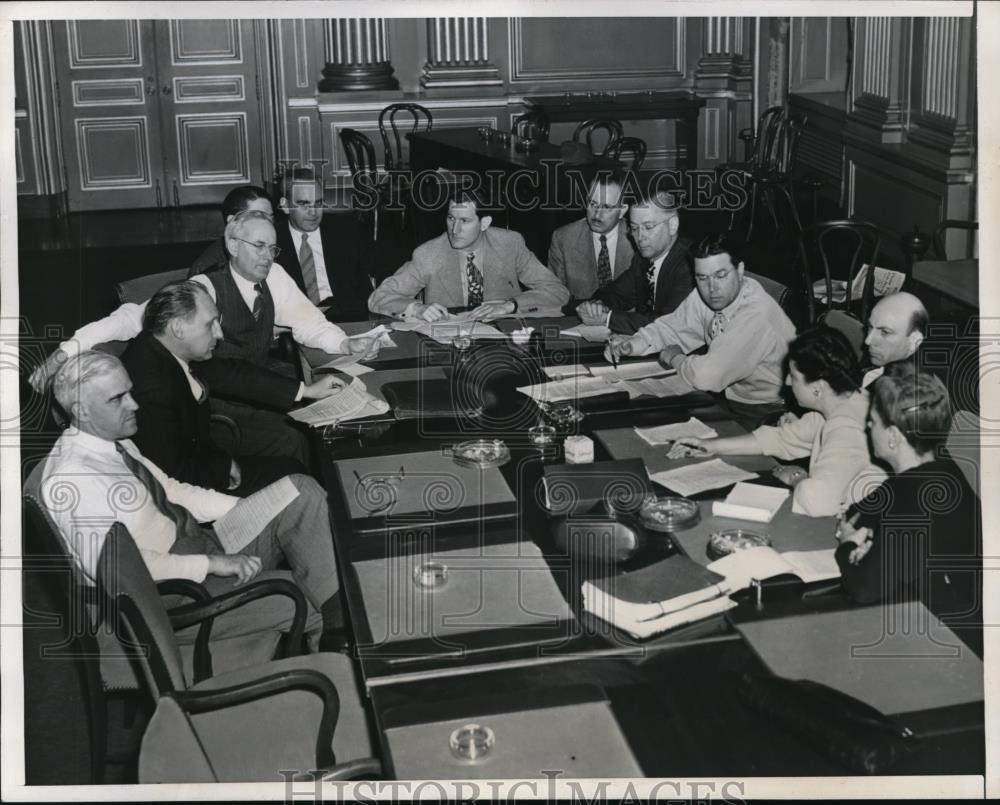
(315,242)
(87,487)
(611,238)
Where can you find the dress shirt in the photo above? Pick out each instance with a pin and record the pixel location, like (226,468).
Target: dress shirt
(611,238)
(315,242)
(292,309)
(86,487)
(871,376)
(745,360)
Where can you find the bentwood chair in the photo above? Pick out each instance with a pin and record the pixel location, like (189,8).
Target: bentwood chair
(631,148)
(300,713)
(612,133)
(415,117)
(832,255)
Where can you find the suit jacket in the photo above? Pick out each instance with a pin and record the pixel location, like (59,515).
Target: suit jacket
(173,426)
(344,260)
(626,294)
(572,259)
(510,271)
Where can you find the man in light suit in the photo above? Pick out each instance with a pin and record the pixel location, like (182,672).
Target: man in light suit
(490,271)
(659,278)
(588,254)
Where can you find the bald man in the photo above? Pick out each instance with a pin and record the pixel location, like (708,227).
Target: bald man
(896,328)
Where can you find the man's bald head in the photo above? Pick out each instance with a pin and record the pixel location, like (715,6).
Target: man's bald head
(896,328)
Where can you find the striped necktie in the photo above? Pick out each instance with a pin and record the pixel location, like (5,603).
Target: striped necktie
(308,266)
(258,301)
(181,517)
(603,263)
(475,277)
(650,287)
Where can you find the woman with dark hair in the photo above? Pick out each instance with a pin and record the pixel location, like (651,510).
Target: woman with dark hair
(825,376)
(919,534)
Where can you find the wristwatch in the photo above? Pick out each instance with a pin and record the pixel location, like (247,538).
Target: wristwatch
(513,302)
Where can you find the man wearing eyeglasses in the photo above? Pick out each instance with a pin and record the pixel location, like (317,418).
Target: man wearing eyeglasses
(659,277)
(745,330)
(253,294)
(588,254)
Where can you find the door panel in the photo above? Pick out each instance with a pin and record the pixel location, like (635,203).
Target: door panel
(109,113)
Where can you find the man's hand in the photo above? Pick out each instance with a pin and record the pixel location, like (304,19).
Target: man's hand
(243,567)
(324,387)
(432,312)
(42,376)
(593,312)
(235,477)
(667,355)
(619,346)
(364,347)
(492,310)
(790,474)
(688,446)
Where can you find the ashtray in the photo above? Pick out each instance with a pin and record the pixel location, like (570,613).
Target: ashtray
(562,415)
(723,543)
(471,742)
(669,513)
(541,435)
(481,453)
(430,575)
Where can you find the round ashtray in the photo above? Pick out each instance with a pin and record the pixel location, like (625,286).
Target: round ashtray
(562,416)
(541,435)
(471,742)
(481,453)
(723,543)
(669,513)
(430,575)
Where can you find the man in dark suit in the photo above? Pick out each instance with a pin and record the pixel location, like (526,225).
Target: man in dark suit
(659,278)
(588,254)
(321,254)
(180,331)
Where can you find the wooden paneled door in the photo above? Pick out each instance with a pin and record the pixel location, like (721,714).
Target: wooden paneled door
(157,113)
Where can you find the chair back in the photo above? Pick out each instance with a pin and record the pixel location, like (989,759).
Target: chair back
(136,611)
(414,115)
(767,140)
(786,146)
(631,149)
(850,327)
(611,128)
(837,251)
(779,292)
(532,125)
(360,154)
(140,289)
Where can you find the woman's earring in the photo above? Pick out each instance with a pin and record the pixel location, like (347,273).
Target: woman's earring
(815,392)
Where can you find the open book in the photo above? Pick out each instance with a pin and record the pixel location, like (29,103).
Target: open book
(741,568)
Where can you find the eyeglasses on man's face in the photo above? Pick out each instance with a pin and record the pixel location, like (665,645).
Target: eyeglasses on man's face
(593,206)
(646,229)
(270,248)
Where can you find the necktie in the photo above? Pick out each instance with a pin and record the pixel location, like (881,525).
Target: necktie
(258,301)
(718,325)
(475,280)
(308,266)
(603,263)
(181,517)
(650,287)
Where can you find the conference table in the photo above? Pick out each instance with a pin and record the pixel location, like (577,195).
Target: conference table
(469,623)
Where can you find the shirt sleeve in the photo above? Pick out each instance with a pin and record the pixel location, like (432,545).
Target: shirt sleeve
(293,309)
(123,324)
(192,566)
(683,327)
(791,441)
(841,456)
(731,357)
(206,505)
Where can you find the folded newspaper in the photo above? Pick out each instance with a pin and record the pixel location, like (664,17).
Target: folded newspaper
(351,402)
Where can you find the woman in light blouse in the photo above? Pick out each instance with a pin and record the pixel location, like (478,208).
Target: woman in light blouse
(825,376)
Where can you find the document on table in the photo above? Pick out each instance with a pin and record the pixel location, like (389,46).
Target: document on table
(573,388)
(588,332)
(444,332)
(672,386)
(349,403)
(632,371)
(348,364)
(381,333)
(665,434)
(243,523)
(695,478)
(565,372)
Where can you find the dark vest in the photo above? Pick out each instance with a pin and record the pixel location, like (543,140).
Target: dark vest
(243,336)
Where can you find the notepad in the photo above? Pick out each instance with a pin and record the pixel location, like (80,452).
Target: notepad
(751,502)
(665,434)
(745,566)
(695,478)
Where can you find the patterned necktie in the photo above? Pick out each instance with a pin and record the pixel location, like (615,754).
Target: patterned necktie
(718,325)
(475,280)
(650,287)
(258,301)
(308,266)
(603,263)
(181,517)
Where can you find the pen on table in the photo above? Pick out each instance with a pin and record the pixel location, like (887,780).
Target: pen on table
(611,352)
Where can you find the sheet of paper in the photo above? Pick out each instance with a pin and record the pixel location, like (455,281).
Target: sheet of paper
(692,479)
(381,333)
(813,566)
(753,502)
(670,386)
(341,362)
(665,434)
(588,332)
(356,369)
(750,564)
(572,388)
(564,372)
(242,523)
(672,620)
(632,371)
(444,332)
(337,407)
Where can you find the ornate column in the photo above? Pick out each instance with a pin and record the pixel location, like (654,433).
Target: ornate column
(458,50)
(725,45)
(879,89)
(724,77)
(357,56)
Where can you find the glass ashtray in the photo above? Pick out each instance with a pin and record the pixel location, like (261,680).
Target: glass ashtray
(562,416)
(481,453)
(723,543)
(669,513)
(430,575)
(471,742)
(541,435)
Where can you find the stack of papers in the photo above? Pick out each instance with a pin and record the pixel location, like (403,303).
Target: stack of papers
(693,479)
(741,568)
(666,434)
(352,402)
(751,502)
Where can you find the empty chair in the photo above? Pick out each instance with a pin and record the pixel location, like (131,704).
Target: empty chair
(364,175)
(140,289)
(414,116)
(831,256)
(245,726)
(630,152)
(612,132)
